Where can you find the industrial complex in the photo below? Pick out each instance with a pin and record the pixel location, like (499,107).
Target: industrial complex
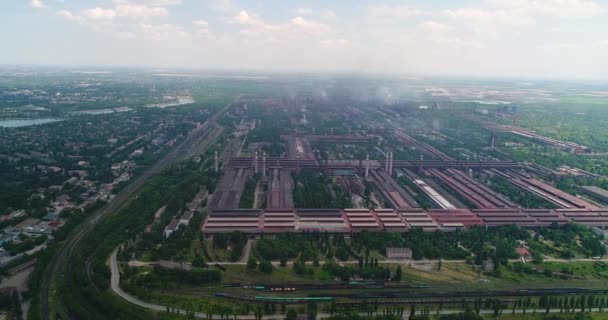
(401,213)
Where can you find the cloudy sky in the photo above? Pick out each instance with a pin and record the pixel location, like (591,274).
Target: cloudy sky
(513,38)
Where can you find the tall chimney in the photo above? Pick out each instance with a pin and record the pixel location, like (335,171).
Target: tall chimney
(420,165)
(264,164)
(390,165)
(255,163)
(216,166)
(297,161)
(367,165)
(387,160)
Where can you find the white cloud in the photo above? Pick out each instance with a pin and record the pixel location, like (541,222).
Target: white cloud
(390,12)
(221,5)
(153,3)
(303,11)
(129,11)
(38,4)
(200,23)
(523,12)
(602,44)
(486,17)
(99,14)
(297,26)
(457,42)
(333,43)
(244,18)
(559,46)
(68,15)
(308,26)
(433,26)
(328,14)
(202,26)
(162,31)
(139,11)
(559,8)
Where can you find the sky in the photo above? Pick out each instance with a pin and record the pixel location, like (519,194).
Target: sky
(500,38)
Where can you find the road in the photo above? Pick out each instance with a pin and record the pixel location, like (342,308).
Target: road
(247,248)
(204,135)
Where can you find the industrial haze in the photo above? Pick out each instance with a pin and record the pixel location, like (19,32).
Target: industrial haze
(361,160)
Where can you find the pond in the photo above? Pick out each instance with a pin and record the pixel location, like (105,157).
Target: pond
(13,123)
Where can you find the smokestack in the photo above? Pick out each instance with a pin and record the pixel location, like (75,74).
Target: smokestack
(297,161)
(264,164)
(216,166)
(255,163)
(420,165)
(386,161)
(367,165)
(390,165)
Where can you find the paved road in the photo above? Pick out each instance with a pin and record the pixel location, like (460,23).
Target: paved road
(197,138)
(246,250)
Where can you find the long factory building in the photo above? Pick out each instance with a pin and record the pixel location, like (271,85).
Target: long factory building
(269,221)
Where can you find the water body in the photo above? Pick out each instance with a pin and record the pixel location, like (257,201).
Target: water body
(180,102)
(14,123)
(102,111)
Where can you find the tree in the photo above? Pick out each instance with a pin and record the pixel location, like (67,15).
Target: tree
(252,263)
(291,315)
(398,274)
(342,253)
(312,311)
(413,312)
(265,266)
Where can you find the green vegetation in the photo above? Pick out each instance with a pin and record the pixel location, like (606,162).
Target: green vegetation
(235,241)
(162,278)
(248,195)
(313,190)
(525,199)
(304,247)
(568,242)
(84,291)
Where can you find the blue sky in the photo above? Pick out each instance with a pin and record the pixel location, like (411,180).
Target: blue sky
(514,38)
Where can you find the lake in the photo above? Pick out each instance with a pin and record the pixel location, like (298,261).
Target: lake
(14,123)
